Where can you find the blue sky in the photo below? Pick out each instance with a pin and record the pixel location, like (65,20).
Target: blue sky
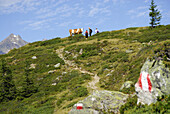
(35,20)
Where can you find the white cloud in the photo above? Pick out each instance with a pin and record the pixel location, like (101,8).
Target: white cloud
(146,0)
(37,24)
(98,8)
(118,1)
(65,24)
(93,11)
(7,3)
(106,1)
(10,6)
(144,13)
(132,11)
(138,12)
(143,7)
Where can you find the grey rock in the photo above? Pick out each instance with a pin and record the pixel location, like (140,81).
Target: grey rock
(54,84)
(57,65)
(67,52)
(32,66)
(63,73)
(129,51)
(81,51)
(108,101)
(34,57)
(109,74)
(51,71)
(154,81)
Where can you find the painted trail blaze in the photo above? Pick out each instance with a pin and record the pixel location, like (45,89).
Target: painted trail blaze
(144,82)
(79,106)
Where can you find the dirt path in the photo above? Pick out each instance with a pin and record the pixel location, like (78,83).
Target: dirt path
(95,79)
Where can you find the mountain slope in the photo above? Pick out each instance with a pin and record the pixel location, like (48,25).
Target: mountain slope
(62,68)
(12,41)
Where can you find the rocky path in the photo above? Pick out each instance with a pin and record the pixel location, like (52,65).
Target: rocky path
(95,79)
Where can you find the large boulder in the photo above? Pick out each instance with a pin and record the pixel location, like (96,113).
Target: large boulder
(99,101)
(154,81)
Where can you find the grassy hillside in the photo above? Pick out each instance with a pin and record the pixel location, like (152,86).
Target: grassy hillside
(115,56)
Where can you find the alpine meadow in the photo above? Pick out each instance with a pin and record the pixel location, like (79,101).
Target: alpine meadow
(100,70)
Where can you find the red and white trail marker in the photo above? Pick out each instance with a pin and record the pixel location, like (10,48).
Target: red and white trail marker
(79,106)
(144,82)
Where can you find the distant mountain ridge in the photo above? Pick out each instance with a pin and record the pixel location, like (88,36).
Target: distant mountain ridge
(11,42)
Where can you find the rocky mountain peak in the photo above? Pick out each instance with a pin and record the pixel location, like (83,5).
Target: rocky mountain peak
(12,41)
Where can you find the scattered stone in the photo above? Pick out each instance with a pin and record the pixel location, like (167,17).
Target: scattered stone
(129,51)
(57,65)
(67,52)
(111,71)
(34,57)
(75,56)
(54,84)
(32,66)
(127,84)
(63,73)
(81,51)
(58,78)
(51,71)
(154,81)
(94,69)
(109,74)
(150,43)
(106,69)
(134,41)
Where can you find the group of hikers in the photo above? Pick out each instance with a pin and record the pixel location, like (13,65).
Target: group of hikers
(90,32)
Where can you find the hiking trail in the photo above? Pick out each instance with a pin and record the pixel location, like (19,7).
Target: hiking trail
(91,84)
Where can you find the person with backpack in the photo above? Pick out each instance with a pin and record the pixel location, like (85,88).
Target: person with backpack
(90,31)
(96,31)
(86,34)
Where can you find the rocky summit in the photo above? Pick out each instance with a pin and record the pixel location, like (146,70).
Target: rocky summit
(11,42)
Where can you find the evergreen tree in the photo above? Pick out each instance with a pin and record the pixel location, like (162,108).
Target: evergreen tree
(28,87)
(7,87)
(154,14)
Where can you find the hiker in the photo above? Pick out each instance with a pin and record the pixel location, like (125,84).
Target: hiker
(86,34)
(96,31)
(90,31)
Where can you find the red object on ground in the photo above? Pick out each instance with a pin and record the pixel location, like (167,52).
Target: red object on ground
(79,107)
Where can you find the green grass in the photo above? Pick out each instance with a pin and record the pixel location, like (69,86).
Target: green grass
(103,54)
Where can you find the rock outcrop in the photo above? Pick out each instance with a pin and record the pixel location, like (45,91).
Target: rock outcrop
(154,81)
(99,101)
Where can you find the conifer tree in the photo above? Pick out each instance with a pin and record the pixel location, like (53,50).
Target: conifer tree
(28,87)
(7,86)
(154,14)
